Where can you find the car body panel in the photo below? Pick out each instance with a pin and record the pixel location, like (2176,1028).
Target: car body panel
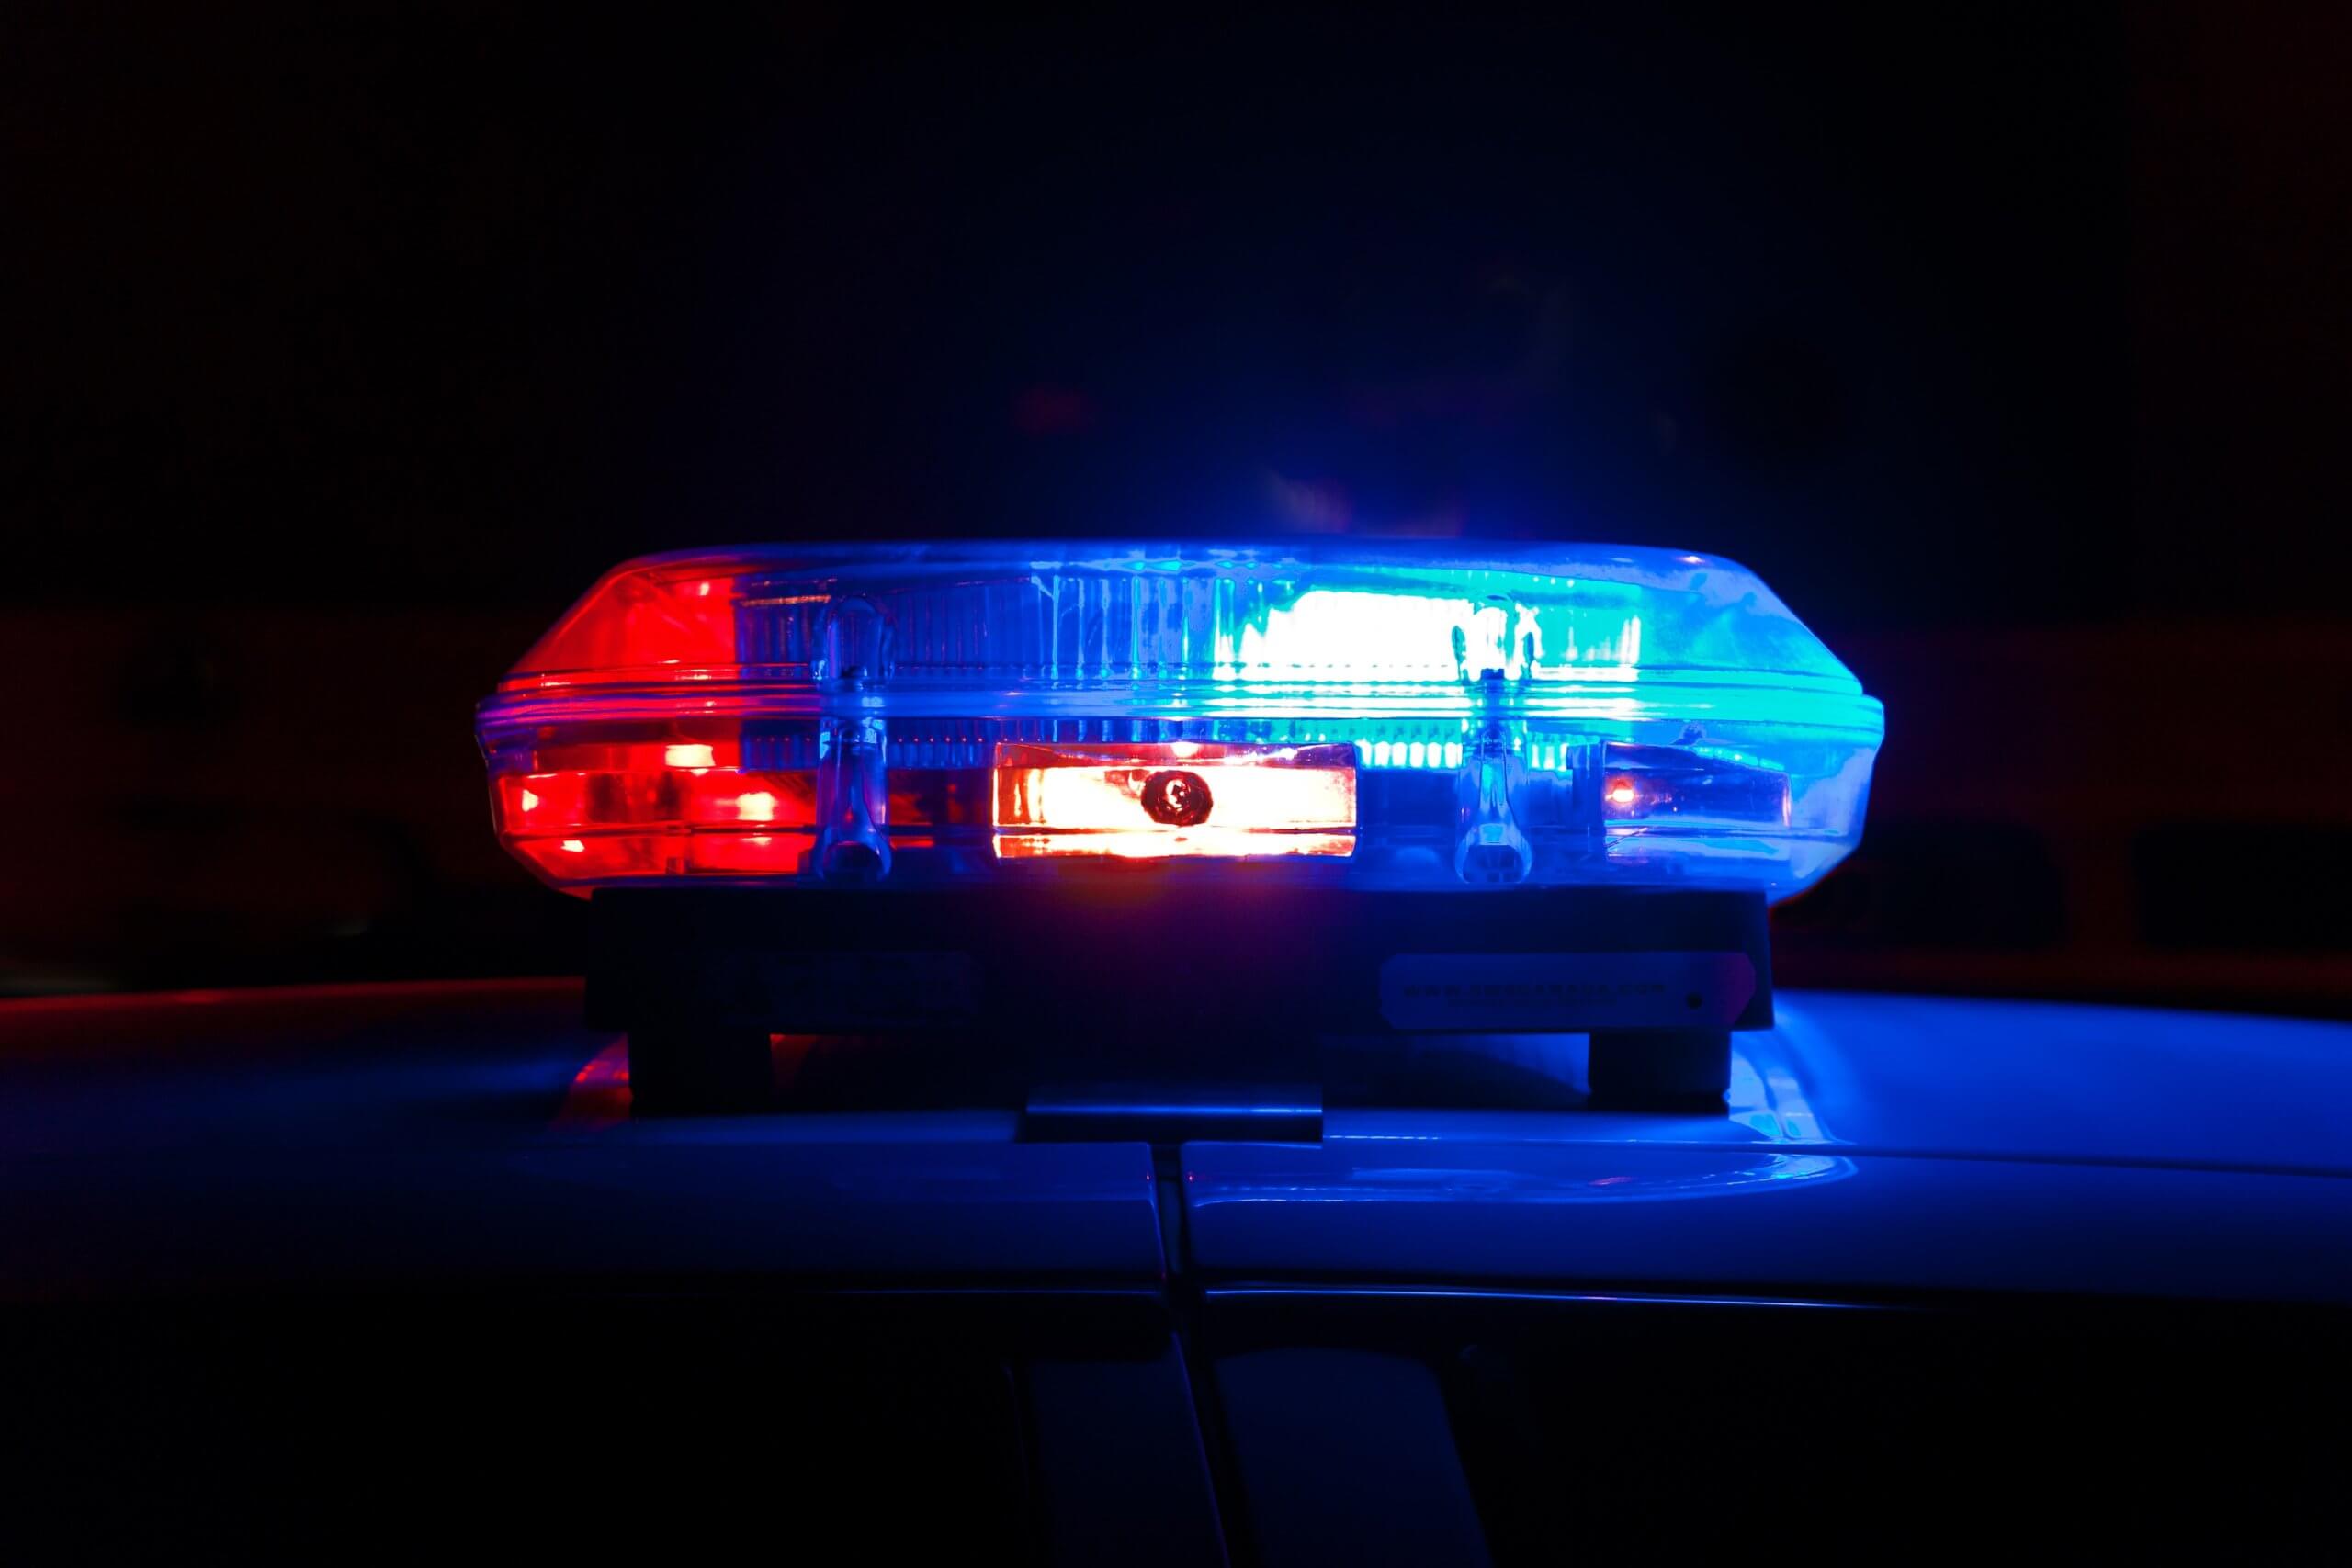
(1911,1075)
(358,1135)
(1873,1145)
(1773,1223)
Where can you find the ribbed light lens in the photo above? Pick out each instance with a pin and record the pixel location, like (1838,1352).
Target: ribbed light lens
(1372,714)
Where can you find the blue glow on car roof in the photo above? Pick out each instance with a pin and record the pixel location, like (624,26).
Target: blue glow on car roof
(1993,1147)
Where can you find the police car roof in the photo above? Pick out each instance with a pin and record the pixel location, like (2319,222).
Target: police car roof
(1874,1147)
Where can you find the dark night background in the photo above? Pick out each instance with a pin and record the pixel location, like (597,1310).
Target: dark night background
(337,354)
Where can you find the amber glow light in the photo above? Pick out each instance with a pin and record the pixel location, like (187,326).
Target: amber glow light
(1208,843)
(1153,801)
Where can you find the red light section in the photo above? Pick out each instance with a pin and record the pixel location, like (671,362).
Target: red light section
(687,750)
(603,857)
(748,854)
(656,626)
(539,805)
(593,859)
(593,825)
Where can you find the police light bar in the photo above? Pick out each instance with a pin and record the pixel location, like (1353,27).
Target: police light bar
(1366,715)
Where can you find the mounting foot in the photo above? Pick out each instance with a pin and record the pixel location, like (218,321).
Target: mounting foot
(1665,1070)
(683,1070)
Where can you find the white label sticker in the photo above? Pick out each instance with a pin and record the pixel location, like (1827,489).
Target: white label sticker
(1565,992)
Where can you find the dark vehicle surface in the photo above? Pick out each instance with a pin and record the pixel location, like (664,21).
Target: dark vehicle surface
(371,1270)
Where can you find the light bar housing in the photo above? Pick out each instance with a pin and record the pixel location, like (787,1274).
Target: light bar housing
(1406,714)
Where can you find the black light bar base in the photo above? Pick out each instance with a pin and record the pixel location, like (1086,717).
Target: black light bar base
(680,1068)
(1202,1002)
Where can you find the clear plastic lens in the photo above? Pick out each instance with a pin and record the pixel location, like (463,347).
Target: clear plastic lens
(1372,715)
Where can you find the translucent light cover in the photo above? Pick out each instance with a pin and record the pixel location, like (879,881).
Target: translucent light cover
(1398,715)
